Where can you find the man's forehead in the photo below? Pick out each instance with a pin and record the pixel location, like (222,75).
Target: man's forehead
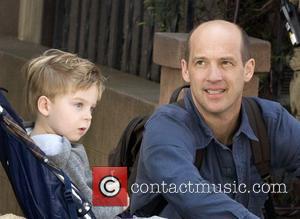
(217,29)
(216,34)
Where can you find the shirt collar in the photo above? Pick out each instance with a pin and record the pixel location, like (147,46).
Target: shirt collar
(205,134)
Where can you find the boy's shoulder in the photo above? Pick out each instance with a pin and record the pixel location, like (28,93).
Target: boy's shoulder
(60,150)
(52,144)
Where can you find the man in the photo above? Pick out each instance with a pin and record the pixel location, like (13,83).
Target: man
(217,65)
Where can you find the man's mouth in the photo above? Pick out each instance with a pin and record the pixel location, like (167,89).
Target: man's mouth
(214,91)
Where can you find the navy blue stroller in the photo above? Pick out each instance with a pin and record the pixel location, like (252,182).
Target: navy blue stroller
(42,190)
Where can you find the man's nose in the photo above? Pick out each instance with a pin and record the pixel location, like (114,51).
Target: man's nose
(215,73)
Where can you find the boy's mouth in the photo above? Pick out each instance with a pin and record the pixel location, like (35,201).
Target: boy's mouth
(82,129)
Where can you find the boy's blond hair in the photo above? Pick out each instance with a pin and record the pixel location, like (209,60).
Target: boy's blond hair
(56,73)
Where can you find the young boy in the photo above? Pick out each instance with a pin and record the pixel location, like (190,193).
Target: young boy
(62,91)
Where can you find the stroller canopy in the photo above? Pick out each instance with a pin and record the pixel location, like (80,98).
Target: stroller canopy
(42,190)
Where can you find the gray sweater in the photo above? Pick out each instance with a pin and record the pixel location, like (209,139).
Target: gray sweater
(73,160)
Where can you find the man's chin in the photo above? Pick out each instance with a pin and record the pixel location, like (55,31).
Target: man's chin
(216,110)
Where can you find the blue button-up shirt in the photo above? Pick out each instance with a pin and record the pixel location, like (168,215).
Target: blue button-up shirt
(172,136)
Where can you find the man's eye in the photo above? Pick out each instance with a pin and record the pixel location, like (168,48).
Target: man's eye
(227,63)
(200,62)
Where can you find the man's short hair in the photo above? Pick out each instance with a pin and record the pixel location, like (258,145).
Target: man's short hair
(56,73)
(245,47)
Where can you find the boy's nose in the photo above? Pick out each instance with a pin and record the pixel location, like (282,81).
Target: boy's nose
(88,115)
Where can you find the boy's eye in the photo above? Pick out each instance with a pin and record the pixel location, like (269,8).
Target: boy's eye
(79,105)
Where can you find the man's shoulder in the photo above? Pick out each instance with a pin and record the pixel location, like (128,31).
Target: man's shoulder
(169,123)
(270,109)
(265,102)
(170,113)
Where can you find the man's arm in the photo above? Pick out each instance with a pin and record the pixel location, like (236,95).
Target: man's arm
(167,157)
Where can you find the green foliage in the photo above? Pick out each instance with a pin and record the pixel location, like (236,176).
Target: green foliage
(166,13)
(207,11)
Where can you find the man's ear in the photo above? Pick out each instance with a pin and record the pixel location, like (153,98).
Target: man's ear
(249,69)
(184,70)
(44,105)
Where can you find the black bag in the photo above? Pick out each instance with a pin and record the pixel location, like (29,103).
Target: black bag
(127,151)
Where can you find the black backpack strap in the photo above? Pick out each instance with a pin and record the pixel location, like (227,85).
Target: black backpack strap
(199,158)
(175,94)
(3,89)
(260,150)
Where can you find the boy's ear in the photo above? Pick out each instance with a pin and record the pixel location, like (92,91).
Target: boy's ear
(43,105)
